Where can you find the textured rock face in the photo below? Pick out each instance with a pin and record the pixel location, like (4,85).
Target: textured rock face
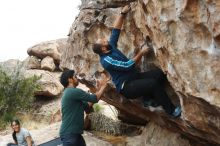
(154,135)
(33,62)
(48,64)
(43,61)
(50,48)
(50,85)
(49,81)
(185,36)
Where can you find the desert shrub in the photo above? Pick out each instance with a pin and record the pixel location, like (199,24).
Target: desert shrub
(97,107)
(16,94)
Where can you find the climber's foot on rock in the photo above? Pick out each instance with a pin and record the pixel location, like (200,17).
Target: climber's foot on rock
(177,112)
(152,105)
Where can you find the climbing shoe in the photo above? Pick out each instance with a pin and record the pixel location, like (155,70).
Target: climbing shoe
(150,102)
(177,112)
(152,105)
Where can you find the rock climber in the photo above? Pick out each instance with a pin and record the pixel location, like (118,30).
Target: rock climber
(128,80)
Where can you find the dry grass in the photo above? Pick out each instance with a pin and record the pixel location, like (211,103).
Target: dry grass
(29,122)
(115,140)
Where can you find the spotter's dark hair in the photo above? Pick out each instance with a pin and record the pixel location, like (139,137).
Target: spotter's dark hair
(65,76)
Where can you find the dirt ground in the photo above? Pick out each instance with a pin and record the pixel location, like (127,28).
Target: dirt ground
(52,131)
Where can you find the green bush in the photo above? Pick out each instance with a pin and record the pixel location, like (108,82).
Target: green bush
(16,94)
(97,107)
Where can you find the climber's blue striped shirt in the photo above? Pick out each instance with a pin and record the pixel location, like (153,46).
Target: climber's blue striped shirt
(117,64)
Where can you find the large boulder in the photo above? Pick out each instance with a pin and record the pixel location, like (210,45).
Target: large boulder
(185,38)
(32,62)
(49,82)
(48,64)
(50,48)
(154,135)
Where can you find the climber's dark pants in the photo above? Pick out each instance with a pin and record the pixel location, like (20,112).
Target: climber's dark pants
(149,84)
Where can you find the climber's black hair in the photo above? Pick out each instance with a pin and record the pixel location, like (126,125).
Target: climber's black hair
(97,48)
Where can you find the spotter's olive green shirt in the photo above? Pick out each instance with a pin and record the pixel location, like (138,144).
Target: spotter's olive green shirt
(73,103)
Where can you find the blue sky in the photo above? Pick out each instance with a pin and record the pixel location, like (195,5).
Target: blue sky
(25,23)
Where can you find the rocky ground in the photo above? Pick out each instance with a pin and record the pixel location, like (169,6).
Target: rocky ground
(50,132)
(42,131)
(152,135)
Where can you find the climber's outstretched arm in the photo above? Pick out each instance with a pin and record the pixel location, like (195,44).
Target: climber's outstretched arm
(141,53)
(120,18)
